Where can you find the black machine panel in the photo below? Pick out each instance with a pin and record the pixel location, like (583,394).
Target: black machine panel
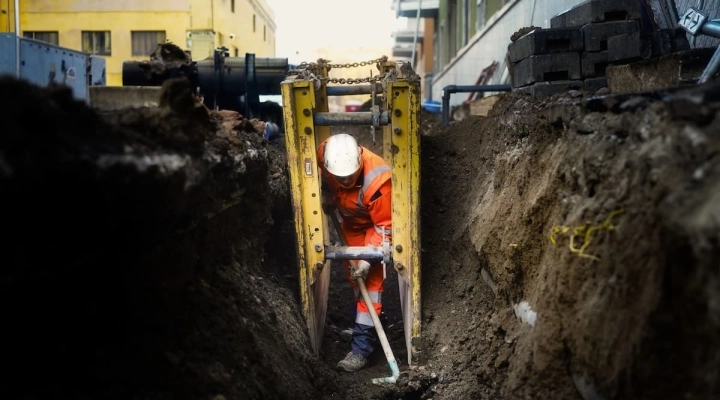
(233,83)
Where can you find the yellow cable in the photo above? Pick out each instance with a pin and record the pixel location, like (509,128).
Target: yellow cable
(585,232)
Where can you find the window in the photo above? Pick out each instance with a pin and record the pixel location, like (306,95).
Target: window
(466,22)
(96,42)
(145,42)
(232,5)
(254,23)
(452,30)
(493,6)
(480,19)
(47,37)
(264,33)
(437,55)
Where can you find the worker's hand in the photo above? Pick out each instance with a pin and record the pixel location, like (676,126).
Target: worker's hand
(360,270)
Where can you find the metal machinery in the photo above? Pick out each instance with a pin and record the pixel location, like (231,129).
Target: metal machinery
(232,83)
(307,123)
(696,22)
(44,64)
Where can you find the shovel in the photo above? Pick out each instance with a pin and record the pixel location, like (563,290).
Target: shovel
(376,321)
(381,335)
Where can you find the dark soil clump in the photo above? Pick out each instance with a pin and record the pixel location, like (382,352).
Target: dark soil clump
(135,253)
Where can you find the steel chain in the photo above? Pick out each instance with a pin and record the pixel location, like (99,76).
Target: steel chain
(351,81)
(358,64)
(305,66)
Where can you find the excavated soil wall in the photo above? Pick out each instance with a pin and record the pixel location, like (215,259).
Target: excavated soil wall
(632,311)
(149,254)
(134,262)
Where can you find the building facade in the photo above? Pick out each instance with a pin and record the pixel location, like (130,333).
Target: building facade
(474,36)
(419,35)
(471,37)
(131,29)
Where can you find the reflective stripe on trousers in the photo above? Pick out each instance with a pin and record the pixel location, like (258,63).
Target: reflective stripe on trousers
(364,336)
(362,315)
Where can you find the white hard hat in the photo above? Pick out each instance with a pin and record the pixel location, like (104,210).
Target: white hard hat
(342,155)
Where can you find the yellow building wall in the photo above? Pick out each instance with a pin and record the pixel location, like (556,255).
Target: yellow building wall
(178,18)
(201,14)
(238,24)
(120,25)
(7,16)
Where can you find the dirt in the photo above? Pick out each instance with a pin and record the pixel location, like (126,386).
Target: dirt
(168,61)
(522,32)
(136,260)
(642,320)
(151,254)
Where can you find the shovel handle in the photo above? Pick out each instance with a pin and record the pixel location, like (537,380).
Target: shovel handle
(381,335)
(392,363)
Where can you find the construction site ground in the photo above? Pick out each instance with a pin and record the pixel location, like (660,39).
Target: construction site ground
(570,250)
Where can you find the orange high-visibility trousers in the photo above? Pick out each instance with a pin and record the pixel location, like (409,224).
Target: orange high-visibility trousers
(373,282)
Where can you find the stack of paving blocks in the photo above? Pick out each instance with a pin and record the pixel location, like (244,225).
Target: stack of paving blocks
(581,43)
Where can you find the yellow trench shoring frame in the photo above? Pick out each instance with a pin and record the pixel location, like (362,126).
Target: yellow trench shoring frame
(302,99)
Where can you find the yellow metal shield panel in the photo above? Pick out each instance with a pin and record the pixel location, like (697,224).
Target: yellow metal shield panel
(402,150)
(299,99)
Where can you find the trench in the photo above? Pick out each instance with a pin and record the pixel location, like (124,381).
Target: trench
(149,254)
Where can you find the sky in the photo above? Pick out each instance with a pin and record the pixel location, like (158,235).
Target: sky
(303,25)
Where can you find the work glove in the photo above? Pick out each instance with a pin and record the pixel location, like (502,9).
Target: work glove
(360,270)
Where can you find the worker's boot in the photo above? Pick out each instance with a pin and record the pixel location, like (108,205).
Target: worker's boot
(352,362)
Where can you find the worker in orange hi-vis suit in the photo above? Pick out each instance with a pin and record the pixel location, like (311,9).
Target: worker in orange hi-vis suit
(359,182)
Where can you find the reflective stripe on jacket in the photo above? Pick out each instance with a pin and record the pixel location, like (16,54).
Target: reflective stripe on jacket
(367,206)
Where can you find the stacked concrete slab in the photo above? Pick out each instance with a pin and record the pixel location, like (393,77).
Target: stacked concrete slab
(579,45)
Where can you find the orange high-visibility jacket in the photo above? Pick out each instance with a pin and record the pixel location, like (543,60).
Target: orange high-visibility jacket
(367,206)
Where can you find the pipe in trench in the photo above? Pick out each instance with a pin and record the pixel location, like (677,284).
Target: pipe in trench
(351,118)
(711,28)
(352,90)
(371,254)
(450,89)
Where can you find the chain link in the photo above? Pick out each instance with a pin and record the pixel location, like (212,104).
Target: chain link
(358,64)
(351,81)
(304,67)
